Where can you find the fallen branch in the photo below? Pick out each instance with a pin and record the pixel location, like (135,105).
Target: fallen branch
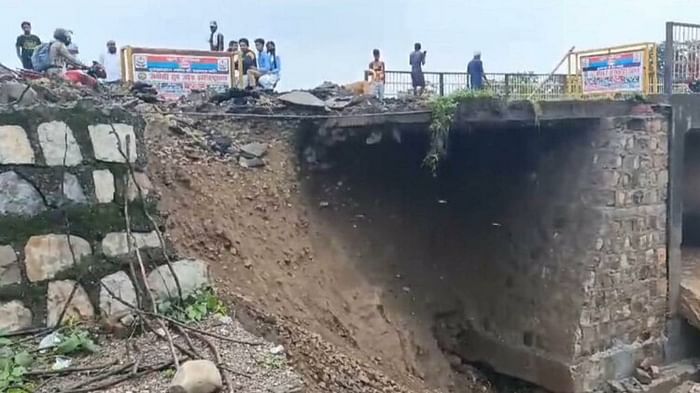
(181,324)
(131,375)
(41,373)
(149,294)
(101,377)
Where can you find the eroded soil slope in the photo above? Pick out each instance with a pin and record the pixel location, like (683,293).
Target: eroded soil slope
(296,247)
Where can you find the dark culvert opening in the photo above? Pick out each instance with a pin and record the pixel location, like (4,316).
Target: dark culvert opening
(465,256)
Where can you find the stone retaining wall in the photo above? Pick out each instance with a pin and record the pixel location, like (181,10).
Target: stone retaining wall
(63,170)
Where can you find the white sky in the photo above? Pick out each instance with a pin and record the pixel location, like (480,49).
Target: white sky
(332,39)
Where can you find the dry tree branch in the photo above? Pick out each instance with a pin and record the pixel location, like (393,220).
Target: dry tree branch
(129,239)
(161,239)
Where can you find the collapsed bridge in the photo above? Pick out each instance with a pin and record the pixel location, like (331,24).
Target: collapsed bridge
(546,246)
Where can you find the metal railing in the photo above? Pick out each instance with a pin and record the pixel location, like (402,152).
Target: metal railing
(507,85)
(679,61)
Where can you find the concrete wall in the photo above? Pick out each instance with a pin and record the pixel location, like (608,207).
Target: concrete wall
(61,172)
(567,287)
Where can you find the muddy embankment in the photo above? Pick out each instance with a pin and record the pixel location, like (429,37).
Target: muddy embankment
(370,253)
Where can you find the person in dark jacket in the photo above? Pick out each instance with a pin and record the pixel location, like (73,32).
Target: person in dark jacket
(417,60)
(475,70)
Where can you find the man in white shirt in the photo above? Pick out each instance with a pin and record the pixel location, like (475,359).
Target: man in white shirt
(111,61)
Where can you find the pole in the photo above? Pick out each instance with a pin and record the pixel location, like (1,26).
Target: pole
(669,60)
(563,59)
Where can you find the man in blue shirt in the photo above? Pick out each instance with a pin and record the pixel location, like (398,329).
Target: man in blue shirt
(263,64)
(263,56)
(475,70)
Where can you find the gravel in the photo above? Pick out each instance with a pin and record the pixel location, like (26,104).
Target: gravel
(252,368)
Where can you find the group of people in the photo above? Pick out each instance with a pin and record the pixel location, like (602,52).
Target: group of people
(377,72)
(259,68)
(61,54)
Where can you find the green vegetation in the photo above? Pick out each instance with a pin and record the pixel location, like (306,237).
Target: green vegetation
(443,111)
(195,307)
(18,356)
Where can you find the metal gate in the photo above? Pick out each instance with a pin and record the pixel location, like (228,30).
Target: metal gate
(680,60)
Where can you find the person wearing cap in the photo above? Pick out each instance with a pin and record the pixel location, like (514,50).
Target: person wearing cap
(25,45)
(59,55)
(111,62)
(216,40)
(475,70)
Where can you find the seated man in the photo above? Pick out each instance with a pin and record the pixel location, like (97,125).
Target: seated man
(269,80)
(248,61)
(263,66)
(54,57)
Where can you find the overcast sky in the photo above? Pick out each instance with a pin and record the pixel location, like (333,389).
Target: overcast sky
(332,39)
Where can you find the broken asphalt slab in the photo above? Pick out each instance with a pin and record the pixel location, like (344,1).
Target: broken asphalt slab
(302,98)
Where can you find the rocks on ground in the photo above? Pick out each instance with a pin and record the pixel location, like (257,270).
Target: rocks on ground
(196,376)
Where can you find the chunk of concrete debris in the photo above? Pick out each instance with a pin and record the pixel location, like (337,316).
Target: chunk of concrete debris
(251,162)
(12,91)
(253,150)
(302,98)
(643,377)
(690,300)
(196,376)
(339,102)
(374,138)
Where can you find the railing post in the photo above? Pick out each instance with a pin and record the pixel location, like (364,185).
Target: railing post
(441,83)
(669,57)
(506,86)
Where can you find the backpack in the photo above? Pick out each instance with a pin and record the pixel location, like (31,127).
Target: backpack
(41,58)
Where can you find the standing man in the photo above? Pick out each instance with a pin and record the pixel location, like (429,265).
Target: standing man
(112,63)
(216,40)
(475,70)
(417,60)
(26,43)
(378,71)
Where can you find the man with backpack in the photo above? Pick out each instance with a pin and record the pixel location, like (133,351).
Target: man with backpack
(54,56)
(26,43)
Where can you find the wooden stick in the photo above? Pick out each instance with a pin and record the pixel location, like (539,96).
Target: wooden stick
(563,59)
(40,373)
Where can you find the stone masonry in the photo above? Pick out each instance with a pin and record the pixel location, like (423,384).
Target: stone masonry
(576,294)
(68,165)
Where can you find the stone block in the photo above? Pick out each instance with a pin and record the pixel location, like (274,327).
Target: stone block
(106,145)
(143,182)
(18,196)
(57,297)
(9,268)
(192,275)
(72,190)
(120,284)
(115,243)
(12,91)
(47,255)
(196,376)
(14,146)
(104,185)
(14,316)
(52,138)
